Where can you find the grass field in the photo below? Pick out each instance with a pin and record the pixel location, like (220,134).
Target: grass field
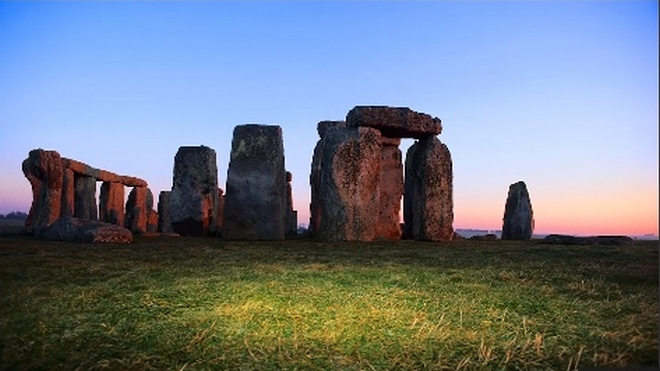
(206,304)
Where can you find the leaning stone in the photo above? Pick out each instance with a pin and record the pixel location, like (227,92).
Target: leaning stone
(428,201)
(86,231)
(518,221)
(43,169)
(345,179)
(194,196)
(111,205)
(395,122)
(255,202)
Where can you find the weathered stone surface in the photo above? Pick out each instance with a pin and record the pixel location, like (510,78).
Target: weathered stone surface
(255,202)
(84,197)
(68,183)
(428,200)
(152,221)
(86,231)
(164,218)
(138,207)
(518,221)
(345,178)
(102,175)
(324,126)
(220,213)
(291,215)
(111,203)
(43,169)
(395,122)
(194,197)
(391,190)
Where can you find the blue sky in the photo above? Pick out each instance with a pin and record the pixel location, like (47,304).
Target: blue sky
(562,95)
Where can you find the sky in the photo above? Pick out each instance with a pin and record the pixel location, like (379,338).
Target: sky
(562,95)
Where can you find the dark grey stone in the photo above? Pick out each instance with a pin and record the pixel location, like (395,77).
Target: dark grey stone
(518,221)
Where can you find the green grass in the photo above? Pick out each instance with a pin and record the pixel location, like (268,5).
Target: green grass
(205,304)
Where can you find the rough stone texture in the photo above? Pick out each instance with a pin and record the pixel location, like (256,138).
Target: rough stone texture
(220,213)
(345,178)
(324,127)
(164,219)
(138,207)
(84,197)
(428,200)
(43,169)
(102,175)
(391,190)
(86,231)
(194,197)
(395,122)
(68,178)
(111,203)
(291,214)
(255,202)
(152,221)
(518,221)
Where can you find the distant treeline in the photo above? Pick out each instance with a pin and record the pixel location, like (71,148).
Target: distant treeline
(15,215)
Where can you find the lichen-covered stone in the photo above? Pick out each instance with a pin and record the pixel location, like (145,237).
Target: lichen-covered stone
(255,199)
(43,169)
(194,196)
(111,203)
(345,185)
(428,201)
(395,122)
(86,231)
(518,221)
(323,127)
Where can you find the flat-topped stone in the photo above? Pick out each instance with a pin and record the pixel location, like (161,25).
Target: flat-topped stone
(101,175)
(395,122)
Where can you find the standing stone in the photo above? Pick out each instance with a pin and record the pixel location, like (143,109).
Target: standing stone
(315,175)
(345,177)
(391,190)
(67,193)
(518,221)
(291,214)
(255,202)
(84,197)
(139,205)
(194,197)
(43,169)
(428,201)
(111,208)
(220,213)
(164,218)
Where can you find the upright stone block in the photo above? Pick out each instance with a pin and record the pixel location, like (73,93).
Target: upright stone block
(164,218)
(428,200)
(67,193)
(518,221)
(111,208)
(84,197)
(194,197)
(138,207)
(391,190)
(43,169)
(345,184)
(291,214)
(255,202)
